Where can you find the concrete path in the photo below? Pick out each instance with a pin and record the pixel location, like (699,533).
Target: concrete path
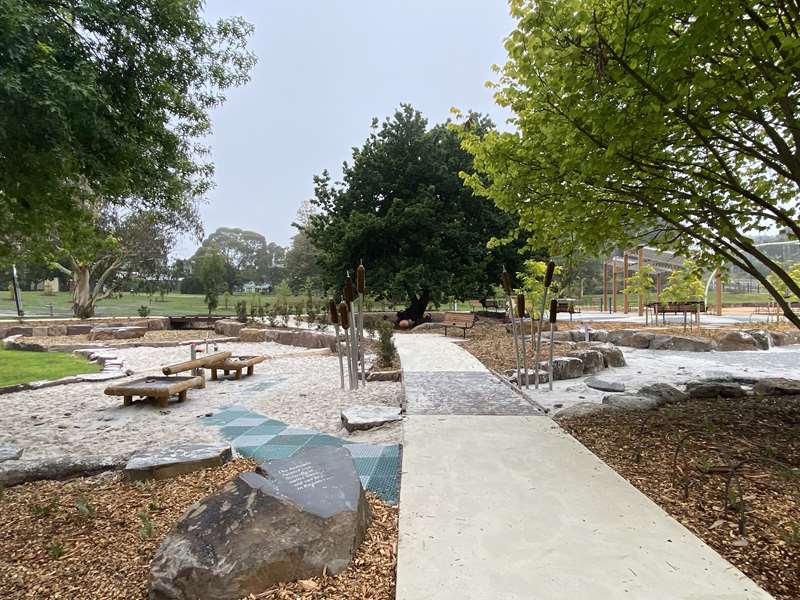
(512,508)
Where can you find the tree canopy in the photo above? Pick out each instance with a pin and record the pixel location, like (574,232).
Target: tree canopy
(671,122)
(403,209)
(107,101)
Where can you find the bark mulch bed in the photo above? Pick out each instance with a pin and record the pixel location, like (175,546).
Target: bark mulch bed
(681,456)
(95,538)
(494,346)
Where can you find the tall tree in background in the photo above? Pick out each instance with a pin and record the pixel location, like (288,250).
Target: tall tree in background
(673,122)
(302,258)
(403,209)
(106,102)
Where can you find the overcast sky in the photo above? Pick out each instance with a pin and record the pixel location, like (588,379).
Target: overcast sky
(325,68)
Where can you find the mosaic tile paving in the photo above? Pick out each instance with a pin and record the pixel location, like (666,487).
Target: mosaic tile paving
(462,393)
(256,436)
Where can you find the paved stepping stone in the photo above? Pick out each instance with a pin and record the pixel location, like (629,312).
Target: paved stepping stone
(293,519)
(605,385)
(9,453)
(176,460)
(367,417)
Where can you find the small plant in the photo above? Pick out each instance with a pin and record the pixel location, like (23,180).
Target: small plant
(322,321)
(55,550)
(241,311)
(44,510)
(298,313)
(386,347)
(154,505)
(84,508)
(261,311)
(148,528)
(144,311)
(272,317)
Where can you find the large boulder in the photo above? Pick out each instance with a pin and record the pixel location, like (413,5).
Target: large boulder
(79,329)
(733,341)
(295,518)
(665,392)
(367,417)
(593,361)
(157,323)
(300,337)
(621,337)
(564,367)
(660,341)
(714,389)
(228,327)
(163,463)
(558,336)
(777,386)
(582,409)
(252,334)
(692,344)
(762,337)
(56,330)
(612,356)
(785,338)
(116,333)
(632,402)
(605,385)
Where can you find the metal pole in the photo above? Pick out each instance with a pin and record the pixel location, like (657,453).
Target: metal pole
(17,291)
(521,315)
(548,279)
(506,280)
(553,314)
(335,320)
(344,320)
(361,289)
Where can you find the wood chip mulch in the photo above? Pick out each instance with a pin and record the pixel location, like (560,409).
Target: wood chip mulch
(493,345)
(95,537)
(681,457)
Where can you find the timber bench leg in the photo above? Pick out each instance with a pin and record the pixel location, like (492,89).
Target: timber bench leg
(182,396)
(163,401)
(213,374)
(238,374)
(226,372)
(127,400)
(250,370)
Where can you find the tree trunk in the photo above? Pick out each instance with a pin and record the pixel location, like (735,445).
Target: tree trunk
(83,300)
(416,310)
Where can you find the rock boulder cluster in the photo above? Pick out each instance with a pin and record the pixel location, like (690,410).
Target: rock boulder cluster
(656,395)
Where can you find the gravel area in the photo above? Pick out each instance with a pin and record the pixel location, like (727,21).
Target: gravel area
(294,385)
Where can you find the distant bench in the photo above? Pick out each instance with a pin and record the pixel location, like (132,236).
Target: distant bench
(458,320)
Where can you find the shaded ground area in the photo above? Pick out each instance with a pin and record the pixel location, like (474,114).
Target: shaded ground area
(682,456)
(95,538)
(17,366)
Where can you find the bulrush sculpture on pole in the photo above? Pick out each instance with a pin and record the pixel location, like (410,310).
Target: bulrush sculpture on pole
(548,279)
(521,315)
(334,317)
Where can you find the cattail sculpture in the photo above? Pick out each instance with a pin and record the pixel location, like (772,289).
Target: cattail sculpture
(553,315)
(521,315)
(344,321)
(334,317)
(361,288)
(505,278)
(548,279)
(349,296)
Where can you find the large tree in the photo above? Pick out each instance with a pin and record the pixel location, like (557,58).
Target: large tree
(108,242)
(403,209)
(107,102)
(671,122)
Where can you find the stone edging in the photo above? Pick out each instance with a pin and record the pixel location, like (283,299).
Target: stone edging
(734,340)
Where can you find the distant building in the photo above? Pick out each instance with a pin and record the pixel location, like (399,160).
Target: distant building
(251,287)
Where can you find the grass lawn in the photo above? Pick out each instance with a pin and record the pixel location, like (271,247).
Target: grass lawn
(19,366)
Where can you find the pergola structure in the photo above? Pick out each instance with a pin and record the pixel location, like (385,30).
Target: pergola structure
(620,266)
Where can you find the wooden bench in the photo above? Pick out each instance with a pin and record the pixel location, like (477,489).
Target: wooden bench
(197,363)
(236,364)
(459,320)
(160,388)
(567,305)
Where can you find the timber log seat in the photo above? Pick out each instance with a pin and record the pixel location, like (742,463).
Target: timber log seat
(459,320)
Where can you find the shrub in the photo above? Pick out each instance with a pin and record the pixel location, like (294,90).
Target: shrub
(241,311)
(386,347)
(144,311)
(147,529)
(55,550)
